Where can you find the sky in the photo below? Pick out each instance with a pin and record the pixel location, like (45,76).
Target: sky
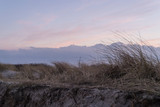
(59,23)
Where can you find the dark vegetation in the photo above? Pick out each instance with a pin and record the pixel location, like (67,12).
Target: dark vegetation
(127,67)
(2,67)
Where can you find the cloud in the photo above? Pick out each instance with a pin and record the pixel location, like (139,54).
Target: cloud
(38,21)
(50,30)
(49,19)
(141,8)
(37,35)
(153,42)
(24,22)
(125,8)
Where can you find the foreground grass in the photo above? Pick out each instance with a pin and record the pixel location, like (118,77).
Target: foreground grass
(127,67)
(98,75)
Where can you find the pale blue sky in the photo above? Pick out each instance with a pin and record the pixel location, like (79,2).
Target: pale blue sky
(56,23)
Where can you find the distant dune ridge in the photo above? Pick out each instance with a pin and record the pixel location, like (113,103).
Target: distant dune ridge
(70,54)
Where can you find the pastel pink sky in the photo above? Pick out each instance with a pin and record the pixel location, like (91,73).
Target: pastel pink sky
(57,23)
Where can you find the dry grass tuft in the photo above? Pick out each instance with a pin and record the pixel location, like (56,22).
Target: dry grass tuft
(142,61)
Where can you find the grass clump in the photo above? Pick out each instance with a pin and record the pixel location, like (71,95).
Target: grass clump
(140,60)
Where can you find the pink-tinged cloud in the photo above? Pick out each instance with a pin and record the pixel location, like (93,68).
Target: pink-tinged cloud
(49,19)
(38,21)
(24,22)
(37,36)
(66,43)
(154,42)
(51,33)
(89,41)
(124,20)
(52,38)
